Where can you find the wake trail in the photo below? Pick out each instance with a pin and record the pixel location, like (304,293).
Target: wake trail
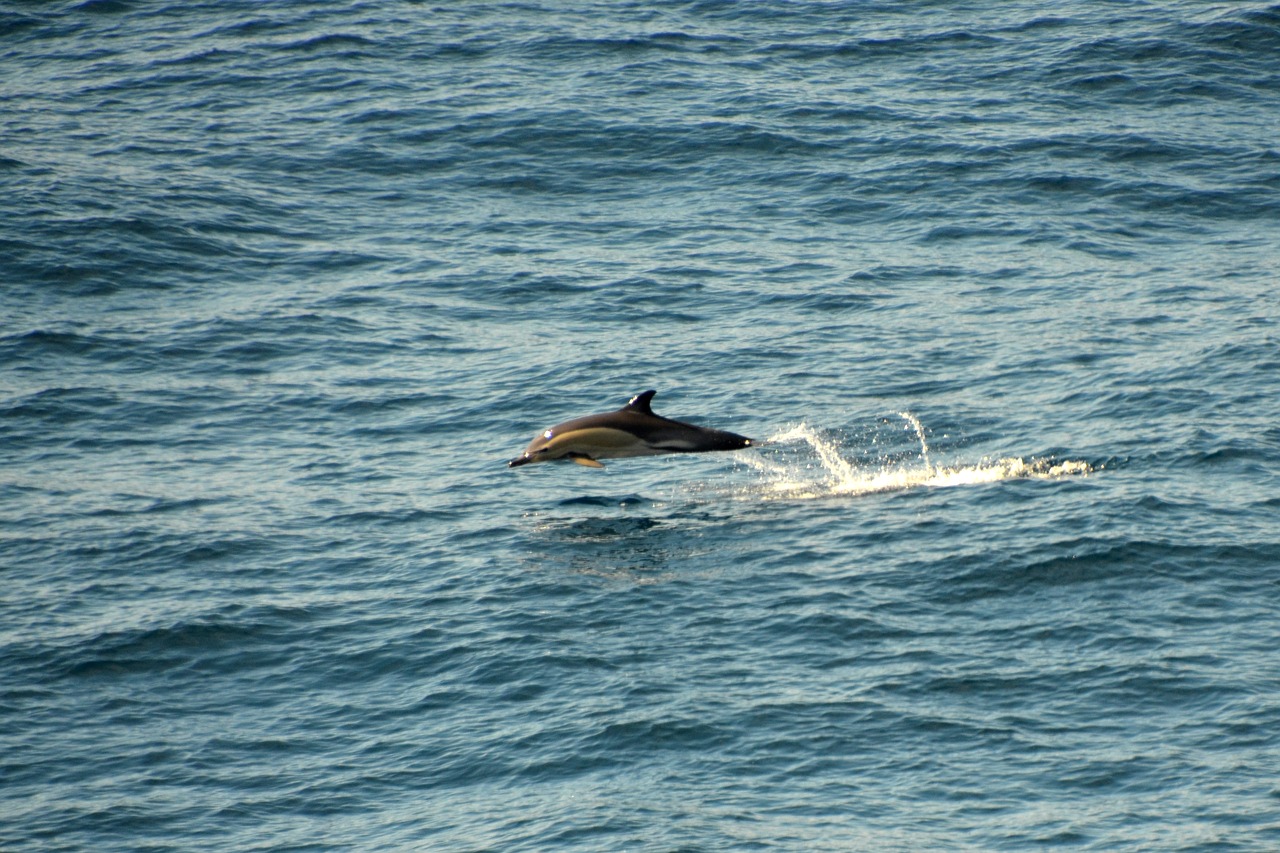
(835,476)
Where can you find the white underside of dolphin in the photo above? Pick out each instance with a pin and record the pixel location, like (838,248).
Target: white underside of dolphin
(633,430)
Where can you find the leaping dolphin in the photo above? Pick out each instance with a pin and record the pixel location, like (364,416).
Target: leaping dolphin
(633,430)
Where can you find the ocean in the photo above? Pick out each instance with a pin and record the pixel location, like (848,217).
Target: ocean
(994,286)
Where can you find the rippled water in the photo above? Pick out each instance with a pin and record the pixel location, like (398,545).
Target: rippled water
(285,284)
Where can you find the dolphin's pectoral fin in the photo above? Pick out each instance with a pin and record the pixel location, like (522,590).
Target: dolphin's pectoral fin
(585,460)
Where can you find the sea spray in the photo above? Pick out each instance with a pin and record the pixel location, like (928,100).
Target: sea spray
(804,463)
(915,424)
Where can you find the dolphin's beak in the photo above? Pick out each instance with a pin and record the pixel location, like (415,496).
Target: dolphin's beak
(518,461)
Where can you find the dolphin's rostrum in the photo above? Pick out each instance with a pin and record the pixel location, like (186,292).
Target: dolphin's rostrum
(633,430)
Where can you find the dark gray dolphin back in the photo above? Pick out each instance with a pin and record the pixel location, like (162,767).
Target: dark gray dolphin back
(676,436)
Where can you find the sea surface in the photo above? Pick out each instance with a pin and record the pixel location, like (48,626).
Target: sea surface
(994,285)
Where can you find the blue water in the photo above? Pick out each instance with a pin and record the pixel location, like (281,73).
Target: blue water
(284,285)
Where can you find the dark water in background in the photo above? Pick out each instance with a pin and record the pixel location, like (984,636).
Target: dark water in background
(283,285)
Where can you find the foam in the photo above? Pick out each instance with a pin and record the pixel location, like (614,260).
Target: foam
(821,472)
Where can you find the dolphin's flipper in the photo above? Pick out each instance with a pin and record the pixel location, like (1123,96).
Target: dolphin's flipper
(588,461)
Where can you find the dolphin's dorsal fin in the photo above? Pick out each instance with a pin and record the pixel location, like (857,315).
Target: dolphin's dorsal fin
(640,403)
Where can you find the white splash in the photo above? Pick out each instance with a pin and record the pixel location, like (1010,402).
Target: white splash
(835,476)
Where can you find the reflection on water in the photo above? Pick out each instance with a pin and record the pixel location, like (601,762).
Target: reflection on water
(620,544)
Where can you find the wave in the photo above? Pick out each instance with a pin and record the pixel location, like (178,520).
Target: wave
(796,476)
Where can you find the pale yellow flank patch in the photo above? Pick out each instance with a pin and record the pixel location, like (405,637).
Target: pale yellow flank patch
(591,441)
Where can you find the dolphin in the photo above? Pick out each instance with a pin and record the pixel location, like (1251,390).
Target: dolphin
(633,430)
